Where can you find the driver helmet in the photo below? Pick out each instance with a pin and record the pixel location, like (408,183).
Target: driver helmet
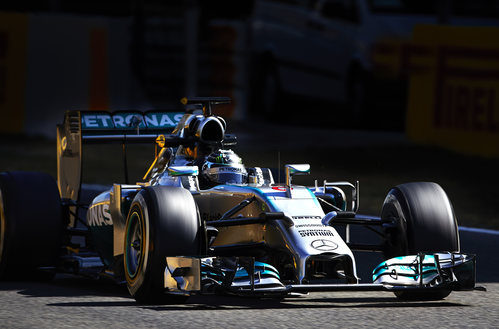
(224,167)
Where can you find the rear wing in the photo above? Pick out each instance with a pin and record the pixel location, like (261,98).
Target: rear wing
(126,126)
(85,127)
(175,128)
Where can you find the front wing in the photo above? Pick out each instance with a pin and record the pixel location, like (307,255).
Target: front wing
(245,276)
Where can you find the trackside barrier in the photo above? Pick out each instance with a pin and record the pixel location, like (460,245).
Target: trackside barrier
(454,88)
(13,55)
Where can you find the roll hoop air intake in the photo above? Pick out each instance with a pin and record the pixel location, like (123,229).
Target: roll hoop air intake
(207,128)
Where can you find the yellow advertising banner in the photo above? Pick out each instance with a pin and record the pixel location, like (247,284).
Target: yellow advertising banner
(454,88)
(13,52)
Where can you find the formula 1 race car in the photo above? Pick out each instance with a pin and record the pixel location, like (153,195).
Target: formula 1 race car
(201,222)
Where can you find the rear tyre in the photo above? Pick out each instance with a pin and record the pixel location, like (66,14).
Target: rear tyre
(424,222)
(162,221)
(31,225)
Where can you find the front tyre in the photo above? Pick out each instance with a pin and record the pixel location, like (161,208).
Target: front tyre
(162,221)
(424,221)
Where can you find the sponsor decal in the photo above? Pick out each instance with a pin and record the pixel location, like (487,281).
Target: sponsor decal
(305,233)
(96,121)
(99,215)
(157,120)
(309,225)
(306,217)
(229,169)
(121,120)
(323,245)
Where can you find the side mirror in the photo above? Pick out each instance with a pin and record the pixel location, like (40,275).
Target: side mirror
(176,171)
(295,169)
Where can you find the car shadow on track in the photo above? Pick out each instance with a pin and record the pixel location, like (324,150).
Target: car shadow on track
(223,302)
(67,286)
(81,287)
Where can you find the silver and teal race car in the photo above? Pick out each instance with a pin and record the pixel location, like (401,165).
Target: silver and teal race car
(202,222)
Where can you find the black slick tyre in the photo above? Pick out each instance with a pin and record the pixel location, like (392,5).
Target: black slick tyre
(31,226)
(424,221)
(162,221)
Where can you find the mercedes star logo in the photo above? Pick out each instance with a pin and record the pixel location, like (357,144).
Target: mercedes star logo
(324,245)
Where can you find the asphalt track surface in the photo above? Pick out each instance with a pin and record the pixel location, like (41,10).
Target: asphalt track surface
(81,303)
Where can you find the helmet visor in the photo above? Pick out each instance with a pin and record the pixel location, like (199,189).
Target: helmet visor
(227,175)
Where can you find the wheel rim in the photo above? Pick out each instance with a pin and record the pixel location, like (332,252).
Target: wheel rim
(134,245)
(396,238)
